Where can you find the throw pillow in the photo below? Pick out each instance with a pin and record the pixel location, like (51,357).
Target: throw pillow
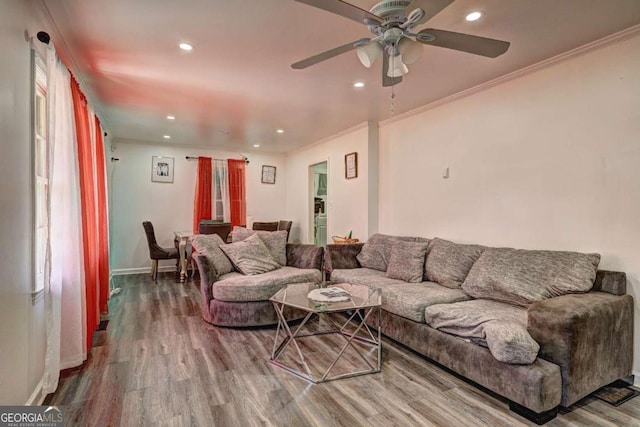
(448,263)
(376,252)
(522,277)
(209,246)
(250,256)
(407,261)
(275,241)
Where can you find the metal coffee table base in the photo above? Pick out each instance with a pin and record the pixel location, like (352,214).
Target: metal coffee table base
(362,333)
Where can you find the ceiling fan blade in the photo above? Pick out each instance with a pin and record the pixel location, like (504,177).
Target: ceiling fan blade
(386,80)
(343,9)
(327,54)
(431,8)
(465,42)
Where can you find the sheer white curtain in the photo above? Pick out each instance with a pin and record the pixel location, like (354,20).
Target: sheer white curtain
(64,291)
(220,188)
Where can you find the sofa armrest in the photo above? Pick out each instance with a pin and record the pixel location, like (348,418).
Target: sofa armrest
(304,256)
(208,275)
(342,256)
(590,336)
(613,282)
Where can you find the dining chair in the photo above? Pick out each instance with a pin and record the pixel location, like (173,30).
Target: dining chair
(222,229)
(155,251)
(285,225)
(266,226)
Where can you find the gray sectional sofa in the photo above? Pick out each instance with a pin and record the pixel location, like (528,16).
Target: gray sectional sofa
(237,279)
(541,328)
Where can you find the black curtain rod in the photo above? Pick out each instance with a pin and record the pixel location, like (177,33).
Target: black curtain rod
(245,158)
(196,158)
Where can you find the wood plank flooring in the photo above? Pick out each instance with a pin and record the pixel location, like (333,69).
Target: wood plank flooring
(159,364)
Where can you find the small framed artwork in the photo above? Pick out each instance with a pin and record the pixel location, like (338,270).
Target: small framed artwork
(268,174)
(351,165)
(162,169)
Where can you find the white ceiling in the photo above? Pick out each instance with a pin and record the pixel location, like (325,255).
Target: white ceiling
(237,87)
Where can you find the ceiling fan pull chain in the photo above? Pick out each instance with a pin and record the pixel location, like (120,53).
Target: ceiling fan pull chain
(393,95)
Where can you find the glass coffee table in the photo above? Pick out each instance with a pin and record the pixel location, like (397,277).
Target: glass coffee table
(342,327)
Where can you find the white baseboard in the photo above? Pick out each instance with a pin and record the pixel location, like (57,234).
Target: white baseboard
(125,271)
(37,397)
(636,379)
(141,270)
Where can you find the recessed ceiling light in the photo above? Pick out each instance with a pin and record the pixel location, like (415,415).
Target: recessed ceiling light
(473,16)
(256,145)
(280,130)
(358,84)
(170,117)
(185,46)
(167,136)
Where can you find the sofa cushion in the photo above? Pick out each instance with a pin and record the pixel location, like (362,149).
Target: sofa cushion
(410,299)
(364,276)
(522,277)
(209,246)
(511,343)
(502,326)
(406,261)
(250,256)
(448,263)
(376,251)
(275,241)
(237,287)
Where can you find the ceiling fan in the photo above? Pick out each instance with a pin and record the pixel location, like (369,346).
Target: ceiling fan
(392,22)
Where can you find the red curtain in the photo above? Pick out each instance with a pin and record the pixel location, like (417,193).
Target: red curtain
(88,205)
(202,202)
(237,192)
(103,224)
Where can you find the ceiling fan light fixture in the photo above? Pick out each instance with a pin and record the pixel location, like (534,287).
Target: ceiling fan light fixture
(410,50)
(369,53)
(397,68)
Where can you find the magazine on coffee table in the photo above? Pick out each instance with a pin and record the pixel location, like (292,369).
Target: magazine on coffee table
(332,294)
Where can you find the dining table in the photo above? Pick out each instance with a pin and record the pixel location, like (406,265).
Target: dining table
(183,237)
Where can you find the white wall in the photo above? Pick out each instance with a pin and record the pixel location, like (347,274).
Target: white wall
(347,208)
(133,198)
(549,160)
(22,332)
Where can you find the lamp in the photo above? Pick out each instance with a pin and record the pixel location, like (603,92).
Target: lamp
(397,68)
(368,54)
(410,50)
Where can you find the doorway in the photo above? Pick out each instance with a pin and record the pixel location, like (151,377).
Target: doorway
(319,201)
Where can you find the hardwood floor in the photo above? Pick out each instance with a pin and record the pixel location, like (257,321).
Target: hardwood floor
(158,363)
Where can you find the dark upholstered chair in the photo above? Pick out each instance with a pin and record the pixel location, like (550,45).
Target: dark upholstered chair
(155,251)
(285,225)
(266,226)
(274,226)
(222,229)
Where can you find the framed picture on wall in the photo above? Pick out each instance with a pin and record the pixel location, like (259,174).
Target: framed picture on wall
(162,169)
(351,165)
(268,174)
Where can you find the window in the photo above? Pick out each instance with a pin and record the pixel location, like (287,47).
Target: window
(41,169)
(220,191)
